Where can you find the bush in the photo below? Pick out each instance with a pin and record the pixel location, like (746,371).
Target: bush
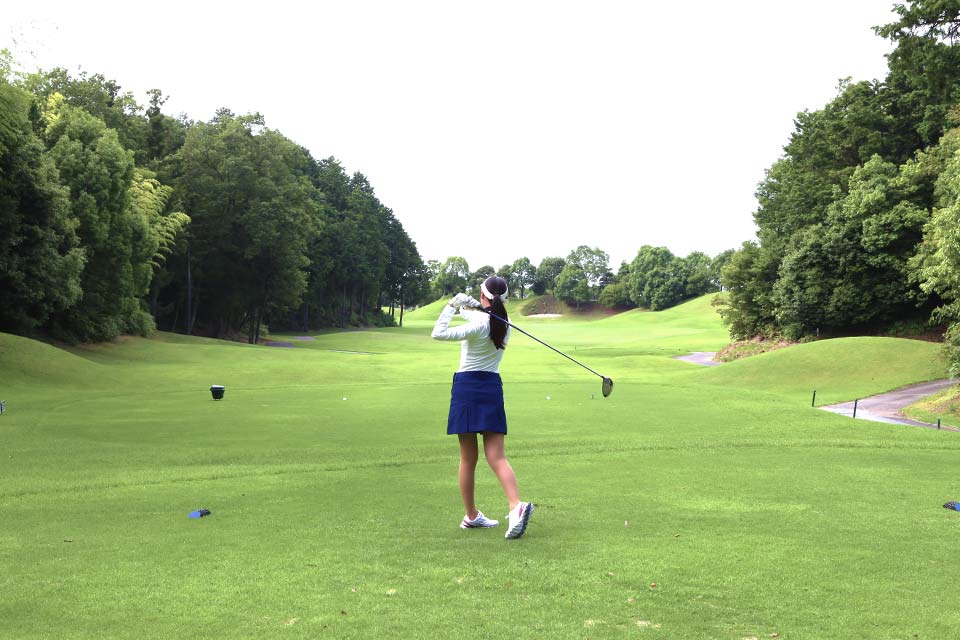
(616,296)
(140,323)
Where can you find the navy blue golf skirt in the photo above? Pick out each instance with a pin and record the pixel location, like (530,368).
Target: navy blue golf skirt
(476,403)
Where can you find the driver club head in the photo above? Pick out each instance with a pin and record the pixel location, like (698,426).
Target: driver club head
(607,387)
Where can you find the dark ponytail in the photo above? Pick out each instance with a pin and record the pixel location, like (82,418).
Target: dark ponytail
(496,287)
(498,330)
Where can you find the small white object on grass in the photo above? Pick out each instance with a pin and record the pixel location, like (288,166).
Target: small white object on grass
(344,397)
(548,397)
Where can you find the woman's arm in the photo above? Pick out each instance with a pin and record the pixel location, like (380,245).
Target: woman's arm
(442,330)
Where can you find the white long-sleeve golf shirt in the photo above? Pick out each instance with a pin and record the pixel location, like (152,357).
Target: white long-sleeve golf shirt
(477,351)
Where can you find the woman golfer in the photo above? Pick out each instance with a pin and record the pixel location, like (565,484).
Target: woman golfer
(476,400)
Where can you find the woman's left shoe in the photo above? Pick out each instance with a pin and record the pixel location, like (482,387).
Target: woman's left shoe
(480,522)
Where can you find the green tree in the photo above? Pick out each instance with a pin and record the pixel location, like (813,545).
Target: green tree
(699,275)
(97,96)
(414,285)
(924,67)
(805,193)
(617,296)
(716,267)
(522,273)
(7,65)
(506,272)
(572,286)
(164,135)
(852,270)
(477,277)
(99,173)
(403,273)
(368,254)
(155,230)
(657,278)
(545,278)
(40,257)
(593,263)
(749,277)
(253,215)
(936,265)
(452,277)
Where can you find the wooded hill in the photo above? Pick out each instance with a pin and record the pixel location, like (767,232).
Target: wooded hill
(115,218)
(859,221)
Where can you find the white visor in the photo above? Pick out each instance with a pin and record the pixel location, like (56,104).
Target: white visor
(490,296)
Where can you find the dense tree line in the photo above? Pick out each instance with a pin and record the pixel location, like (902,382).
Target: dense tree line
(854,220)
(116,218)
(655,279)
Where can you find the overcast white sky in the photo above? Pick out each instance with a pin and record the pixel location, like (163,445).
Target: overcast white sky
(498,130)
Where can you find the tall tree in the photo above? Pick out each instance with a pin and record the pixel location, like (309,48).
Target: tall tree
(523,273)
(40,257)
(699,275)
(716,267)
(749,276)
(99,173)
(936,265)
(156,229)
(506,272)
(594,264)
(97,96)
(477,278)
(546,276)
(572,285)
(452,277)
(851,271)
(924,67)
(253,214)
(657,278)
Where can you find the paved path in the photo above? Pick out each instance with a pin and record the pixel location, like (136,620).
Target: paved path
(700,357)
(886,406)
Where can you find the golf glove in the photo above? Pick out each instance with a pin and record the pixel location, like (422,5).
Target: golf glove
(463,300)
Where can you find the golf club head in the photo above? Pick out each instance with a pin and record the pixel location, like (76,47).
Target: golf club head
(607,387)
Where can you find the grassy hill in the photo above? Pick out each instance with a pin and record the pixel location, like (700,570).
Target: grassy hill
(28,365)
(840,370)
(692,503)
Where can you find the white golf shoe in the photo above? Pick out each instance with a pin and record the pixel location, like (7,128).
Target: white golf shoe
(480,522)
(517,519)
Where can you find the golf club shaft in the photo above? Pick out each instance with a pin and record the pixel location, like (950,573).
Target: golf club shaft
(507,322)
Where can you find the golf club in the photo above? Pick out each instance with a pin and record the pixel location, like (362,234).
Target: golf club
(607,382)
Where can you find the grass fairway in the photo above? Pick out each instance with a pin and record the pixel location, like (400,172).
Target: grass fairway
(692,503)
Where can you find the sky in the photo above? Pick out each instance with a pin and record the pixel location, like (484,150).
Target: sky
(498,130)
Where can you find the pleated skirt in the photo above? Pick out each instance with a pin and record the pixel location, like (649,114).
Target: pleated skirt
(476,403)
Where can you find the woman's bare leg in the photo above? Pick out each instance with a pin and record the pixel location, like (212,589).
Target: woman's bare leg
(469,453)
(497,459)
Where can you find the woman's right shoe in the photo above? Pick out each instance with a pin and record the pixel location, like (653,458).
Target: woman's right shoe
(517,520)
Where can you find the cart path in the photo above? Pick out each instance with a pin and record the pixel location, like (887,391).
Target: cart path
(886,407)
(700,357)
